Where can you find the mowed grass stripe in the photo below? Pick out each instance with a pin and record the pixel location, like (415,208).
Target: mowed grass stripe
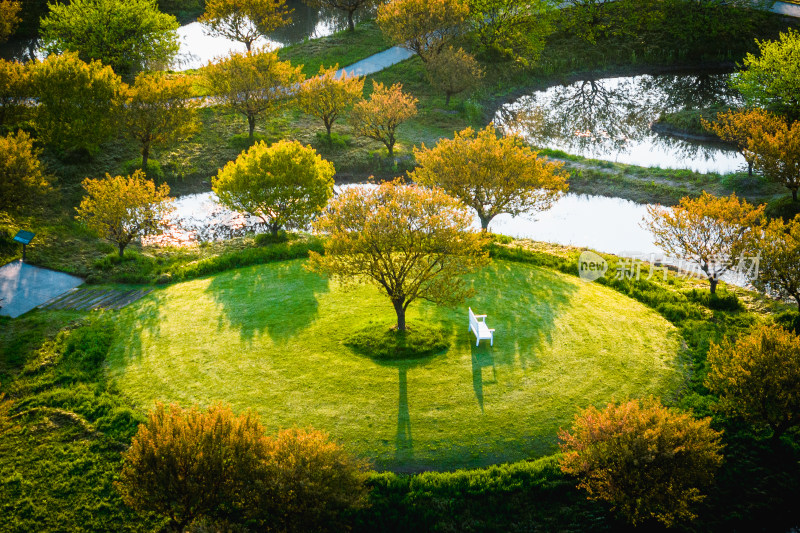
(271,338)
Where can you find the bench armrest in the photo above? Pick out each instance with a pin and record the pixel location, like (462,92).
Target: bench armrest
(492,330)
(480,316)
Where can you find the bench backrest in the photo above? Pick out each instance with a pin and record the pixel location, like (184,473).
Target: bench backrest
(473,322)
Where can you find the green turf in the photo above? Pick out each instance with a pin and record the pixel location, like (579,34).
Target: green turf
(271,338)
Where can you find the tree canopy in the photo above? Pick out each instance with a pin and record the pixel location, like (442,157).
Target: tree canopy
(647,461)
(738,127)
(491,174)
(284,184)
(128,35)
(79,103)
(775,151)
(244,20)
(122,208)
(422,26)
(410,241)
(9,18)
(159,110)
(710,232)
(511,29)
(379,117)
(348,6)
(453,71)
(777,244)
(22,175)
(252,83)
(14,89)
(327,95)
(758,377)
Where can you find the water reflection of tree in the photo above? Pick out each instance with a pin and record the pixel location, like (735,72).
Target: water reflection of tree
(698,91)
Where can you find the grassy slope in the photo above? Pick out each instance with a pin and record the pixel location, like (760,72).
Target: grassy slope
(271,338)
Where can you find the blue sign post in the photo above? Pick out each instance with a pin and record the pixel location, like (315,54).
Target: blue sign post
(24,237)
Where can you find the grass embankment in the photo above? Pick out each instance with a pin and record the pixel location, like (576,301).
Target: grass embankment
(273,338)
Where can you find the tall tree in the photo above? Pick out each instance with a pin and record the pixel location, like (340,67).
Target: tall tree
(252,83)
(9,18)
(128,35)
(22,176)
(738,127)
(327,95)
(159,110)
(491,174)
(285,184)
(647,461)
(453,71)
(422,26)
(244,21)
(79,103)
(14,91)
(511,29)
(379,117)
(710,232)
(771,79)
(776,153)
(348,6)
(758,377)
(777,244)
(122,208)
(412,242)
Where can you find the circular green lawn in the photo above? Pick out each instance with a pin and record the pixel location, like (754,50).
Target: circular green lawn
(271,338)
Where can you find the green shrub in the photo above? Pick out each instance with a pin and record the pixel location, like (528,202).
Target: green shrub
(789,320)
(263,239)
(383,342)
(720,301)
(784,208)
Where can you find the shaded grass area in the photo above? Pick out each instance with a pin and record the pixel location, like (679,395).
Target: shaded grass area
(271,338)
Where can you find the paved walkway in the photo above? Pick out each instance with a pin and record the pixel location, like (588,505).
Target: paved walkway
(24,287)
(377,62)
(89,299)
(792,10)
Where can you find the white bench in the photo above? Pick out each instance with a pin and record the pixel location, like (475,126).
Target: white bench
(477,324)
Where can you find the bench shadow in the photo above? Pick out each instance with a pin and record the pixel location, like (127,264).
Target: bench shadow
(482,358)
(280,301)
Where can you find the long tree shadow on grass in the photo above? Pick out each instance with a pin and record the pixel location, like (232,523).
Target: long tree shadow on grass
(279,300)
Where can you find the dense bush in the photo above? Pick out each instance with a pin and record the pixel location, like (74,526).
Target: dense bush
(719,301)
(383,342)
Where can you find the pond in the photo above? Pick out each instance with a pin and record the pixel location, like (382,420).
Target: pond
(197,48)
(610,225)
(611,119)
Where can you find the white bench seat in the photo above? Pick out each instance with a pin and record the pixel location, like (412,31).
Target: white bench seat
(477,324)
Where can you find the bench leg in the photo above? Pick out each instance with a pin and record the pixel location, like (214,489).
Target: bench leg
(477,341)
(491,341)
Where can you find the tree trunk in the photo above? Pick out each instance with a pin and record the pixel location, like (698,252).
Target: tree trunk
(400,309)
(249,45)
(390,147)
(145,157)
(794,194)
(447,100)
(713,282)
(274,228)
(351,25)
(750,169)
(485,223)
(251,122)
(328,126)
(121,249)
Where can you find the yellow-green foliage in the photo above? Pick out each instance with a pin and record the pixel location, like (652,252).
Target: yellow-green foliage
(422,26)
(285,184)
(22,177)
(647,461)
(453,71)
(244,20)
(14,85)
(758,377)
(327,95)
(122,208)
(9,18)
(379,117)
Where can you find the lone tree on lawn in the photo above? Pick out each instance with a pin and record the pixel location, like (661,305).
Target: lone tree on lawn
(252,83)
(647,461)
(159,110)
(122,208)
(412,242)
(327,95)
(379,117)
(285,184)
(453,71)
(491,174)
(22,176)
(777,244)
(758,377)
(244,20)
(710,232)
(348,6)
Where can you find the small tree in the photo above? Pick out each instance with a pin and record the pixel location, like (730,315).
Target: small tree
(772,79)
(22,177)
(758,377)
(187,464)
(491,174)
(511,29)
(122,208)
(777,245)
(410,241)
(326,96)
(379,117)
(14,90)
(739,127)
(253,83)
(710,232)
(9,18)
(285,184)
(422,26)
(647,461)
(453,72)
(348,6)
(311,483)
(776,153)
(129,36)
(244,20)
(159,110)
(78,102)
